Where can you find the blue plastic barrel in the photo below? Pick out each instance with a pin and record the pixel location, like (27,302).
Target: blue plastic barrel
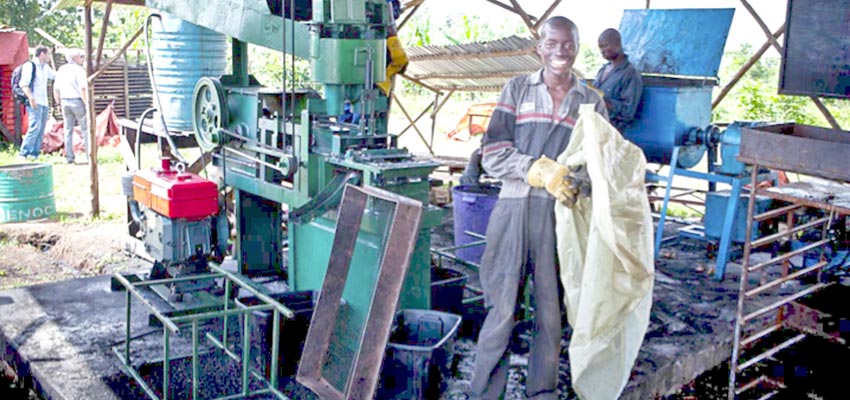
(183,53)
(472,207)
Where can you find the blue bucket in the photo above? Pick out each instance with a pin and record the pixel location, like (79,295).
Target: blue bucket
(472,206)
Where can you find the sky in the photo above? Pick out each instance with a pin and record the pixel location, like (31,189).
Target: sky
(592,17)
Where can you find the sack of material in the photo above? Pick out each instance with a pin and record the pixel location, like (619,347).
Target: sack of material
(605,248)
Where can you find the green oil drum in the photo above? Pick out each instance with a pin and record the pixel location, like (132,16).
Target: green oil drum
(26,192)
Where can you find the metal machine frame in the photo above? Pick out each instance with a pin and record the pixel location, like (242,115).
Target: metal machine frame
(175,325)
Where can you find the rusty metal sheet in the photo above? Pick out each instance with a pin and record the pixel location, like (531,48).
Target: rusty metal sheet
(816,51)
(686,42)
(817,193)
(344,350)
(799,148)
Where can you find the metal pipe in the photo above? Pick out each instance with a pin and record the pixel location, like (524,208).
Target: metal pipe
(275,347)
(775,236)
(771,352)
(783,301)
(246,350)
(777,212)
(132,289)
(218,344)
(138,378)
(753,383)
(176,280)
(761,334)
(227,290)
(475,235)
(280,308)
(255,160)
(788,255)
(127,329)
(195,361)
(452,257)
(784,279)
(137,147)
(262,147)
(228,313)
(150,67)
(166,363)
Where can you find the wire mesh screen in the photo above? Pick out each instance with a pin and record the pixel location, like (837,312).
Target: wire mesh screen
(373,242)
(359,291)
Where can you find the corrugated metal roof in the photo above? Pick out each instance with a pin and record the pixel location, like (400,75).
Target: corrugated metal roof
(483,66)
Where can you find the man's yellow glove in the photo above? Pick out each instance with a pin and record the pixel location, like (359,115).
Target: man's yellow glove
(558,180)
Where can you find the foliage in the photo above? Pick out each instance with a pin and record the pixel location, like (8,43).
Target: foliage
(756,98)
(457,29)
(26,15)
(267,66)
(123,24)
(588,61)
(758,104)
(421,30)
(70,183)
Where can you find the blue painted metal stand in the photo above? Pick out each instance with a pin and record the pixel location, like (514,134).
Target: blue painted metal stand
(737,182)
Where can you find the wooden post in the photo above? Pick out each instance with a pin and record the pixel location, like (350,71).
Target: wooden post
(525,18)
(763,26)
(102,68)
(95,196)
(546,15)
(437,111)
(103,28)
(126,88)
(826,113)
(419,82)
(415,128)
(418,117)
(407,17)
(511,9)
(746,67)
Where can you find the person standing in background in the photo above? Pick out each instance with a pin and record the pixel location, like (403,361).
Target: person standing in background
(34,86)
(619,80)
(69,93)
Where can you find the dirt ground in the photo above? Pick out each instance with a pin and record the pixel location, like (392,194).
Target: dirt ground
(49,251)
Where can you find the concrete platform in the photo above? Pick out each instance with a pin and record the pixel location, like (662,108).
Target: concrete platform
(60,335)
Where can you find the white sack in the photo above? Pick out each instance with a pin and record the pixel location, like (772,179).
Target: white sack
(605,248)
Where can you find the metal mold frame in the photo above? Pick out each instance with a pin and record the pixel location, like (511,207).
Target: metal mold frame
(362,382)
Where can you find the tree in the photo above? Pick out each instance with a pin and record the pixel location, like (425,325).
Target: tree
(26,15)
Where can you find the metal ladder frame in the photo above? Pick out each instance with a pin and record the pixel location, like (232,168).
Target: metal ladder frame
(742,342)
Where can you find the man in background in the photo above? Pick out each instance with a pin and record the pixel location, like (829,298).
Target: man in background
(69,93)
(34,86)
(619,80)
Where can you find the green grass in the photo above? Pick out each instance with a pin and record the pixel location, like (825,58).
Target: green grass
(680,211)
(72,185)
